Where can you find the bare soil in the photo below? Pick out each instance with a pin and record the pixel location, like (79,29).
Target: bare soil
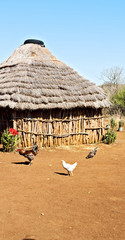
(41,202)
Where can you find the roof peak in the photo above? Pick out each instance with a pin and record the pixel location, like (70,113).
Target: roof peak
(34,41)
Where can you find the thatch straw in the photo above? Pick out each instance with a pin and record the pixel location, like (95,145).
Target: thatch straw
(32,78)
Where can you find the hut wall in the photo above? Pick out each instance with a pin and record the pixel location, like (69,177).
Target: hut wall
(59,127)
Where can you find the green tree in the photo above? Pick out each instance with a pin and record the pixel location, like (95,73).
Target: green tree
(119,98)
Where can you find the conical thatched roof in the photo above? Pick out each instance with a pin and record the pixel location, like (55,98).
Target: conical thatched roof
(32,78)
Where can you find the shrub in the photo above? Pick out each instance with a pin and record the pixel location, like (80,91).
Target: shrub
(113,123)
(9,139)
(110,136)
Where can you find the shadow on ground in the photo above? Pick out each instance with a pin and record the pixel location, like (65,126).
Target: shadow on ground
(64,174)
(21,163)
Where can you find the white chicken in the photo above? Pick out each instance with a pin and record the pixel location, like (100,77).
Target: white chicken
(69,167)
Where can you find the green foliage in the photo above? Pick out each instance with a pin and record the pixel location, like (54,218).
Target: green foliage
(113,123)
(119,98)
(110,136)
(9,139)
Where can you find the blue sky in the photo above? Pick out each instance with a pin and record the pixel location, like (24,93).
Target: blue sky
(87,35)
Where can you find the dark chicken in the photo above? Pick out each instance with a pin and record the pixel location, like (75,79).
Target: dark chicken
(29,154)
(92,153)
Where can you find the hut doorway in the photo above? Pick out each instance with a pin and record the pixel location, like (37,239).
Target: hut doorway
(5,120)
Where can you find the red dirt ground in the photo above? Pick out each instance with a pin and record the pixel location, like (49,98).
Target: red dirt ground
(41,202)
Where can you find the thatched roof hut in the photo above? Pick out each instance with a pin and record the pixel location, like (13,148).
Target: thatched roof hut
(33,80)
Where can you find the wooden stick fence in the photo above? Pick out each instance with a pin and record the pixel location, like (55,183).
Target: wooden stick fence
(56,132)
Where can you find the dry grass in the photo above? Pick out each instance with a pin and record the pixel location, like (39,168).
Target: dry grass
(33,78)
